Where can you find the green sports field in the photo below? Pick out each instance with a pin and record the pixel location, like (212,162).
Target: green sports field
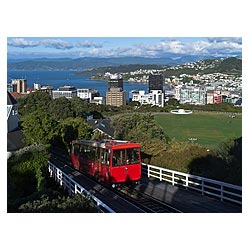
(208,129)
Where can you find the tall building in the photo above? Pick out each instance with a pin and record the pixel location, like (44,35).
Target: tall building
(155,82)
(115,95)
(115,83)
(116,98)
(193,95)
(19,85)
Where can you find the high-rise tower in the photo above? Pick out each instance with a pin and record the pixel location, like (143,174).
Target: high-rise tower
(115,95)
(115,83)
(19,85)
(155,82)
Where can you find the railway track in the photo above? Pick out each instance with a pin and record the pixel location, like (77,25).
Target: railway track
(146,202)
(143,202)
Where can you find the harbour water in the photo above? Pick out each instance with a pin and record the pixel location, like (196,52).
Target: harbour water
(62,78)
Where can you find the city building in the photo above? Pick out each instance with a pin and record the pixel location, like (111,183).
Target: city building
(193,95)
(115,83)
(154,97)
(217,98)
(116,98)
(19,85)
(115,95)
(177,94)
(66,91)
(210,98)
(87,94)
(10,87)
(155,82)
(44,88)
(98,100)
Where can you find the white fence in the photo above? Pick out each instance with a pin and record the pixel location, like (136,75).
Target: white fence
(75,188)
(223,191)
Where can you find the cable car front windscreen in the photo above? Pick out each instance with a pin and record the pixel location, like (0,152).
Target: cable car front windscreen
(125,156)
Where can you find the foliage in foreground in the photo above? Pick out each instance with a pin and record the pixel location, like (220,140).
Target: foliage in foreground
(27,171)
(56,203)
(30,189)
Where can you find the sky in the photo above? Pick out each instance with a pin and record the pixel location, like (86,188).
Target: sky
(75,47)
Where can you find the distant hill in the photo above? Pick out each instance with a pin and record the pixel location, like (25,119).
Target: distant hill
(87,63)
(121,63)
(228,65)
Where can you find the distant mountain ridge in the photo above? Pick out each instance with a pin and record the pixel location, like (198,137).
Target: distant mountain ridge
(88,63)
(208,66)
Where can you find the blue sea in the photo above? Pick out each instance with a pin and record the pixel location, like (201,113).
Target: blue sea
(62,78)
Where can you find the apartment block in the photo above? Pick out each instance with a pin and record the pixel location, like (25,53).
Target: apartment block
(154,97)
(115,95)
(193,95)
(116,98)
(155,82)
(19,85)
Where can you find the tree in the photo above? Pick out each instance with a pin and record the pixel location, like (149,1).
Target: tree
(32,102)
(39,127)
(140,128)
(72,129)
(79,107)
(60,108)
(27,171)
(173,102)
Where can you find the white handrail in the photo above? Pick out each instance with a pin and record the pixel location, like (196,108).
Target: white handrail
(73,187)
(219,189)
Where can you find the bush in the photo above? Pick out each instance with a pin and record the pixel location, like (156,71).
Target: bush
(27,171)
(59,204)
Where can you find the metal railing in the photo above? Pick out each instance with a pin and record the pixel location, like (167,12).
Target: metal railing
(222,190)
(75,188)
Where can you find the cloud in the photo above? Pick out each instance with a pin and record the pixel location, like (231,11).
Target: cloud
(56,44)
(88,44)
(48,43)
(22,43)
(225,39)
(211,46)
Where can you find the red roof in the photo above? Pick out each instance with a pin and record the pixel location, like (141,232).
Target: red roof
(17,95)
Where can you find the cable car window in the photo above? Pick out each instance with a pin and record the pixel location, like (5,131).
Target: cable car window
(118,157)
(133,156)
(75,149)
(105,156)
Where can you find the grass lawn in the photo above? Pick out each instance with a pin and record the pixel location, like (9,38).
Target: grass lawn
(210,129)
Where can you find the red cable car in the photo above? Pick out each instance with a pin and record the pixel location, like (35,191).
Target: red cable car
(111,161)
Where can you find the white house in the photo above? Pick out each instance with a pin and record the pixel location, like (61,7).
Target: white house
(12,113)
(154,97)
